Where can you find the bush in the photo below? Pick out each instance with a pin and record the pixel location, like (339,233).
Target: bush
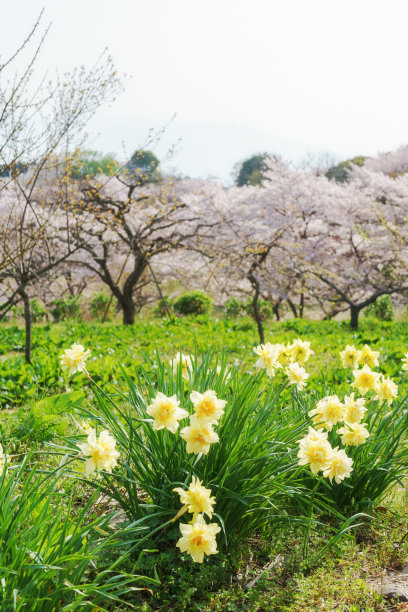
(264,307)
(163,306)
(38,312)
(234,308)
(382,309)
(67,308)
(16,312)
(101,306)
(195,302)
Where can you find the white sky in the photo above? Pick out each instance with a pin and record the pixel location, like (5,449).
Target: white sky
(284,76)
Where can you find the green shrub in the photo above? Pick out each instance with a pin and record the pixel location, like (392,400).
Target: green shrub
(264,307)
(16,312)
(382,309)
(234,308)
(38,312)
(195,302)
(67,308)
(163,306)
(101,306)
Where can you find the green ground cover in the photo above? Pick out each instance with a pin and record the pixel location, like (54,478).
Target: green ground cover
(130,346)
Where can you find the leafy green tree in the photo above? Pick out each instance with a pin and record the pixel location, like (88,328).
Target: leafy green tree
(252,170)
(92,163)
(143,166)
(340,172)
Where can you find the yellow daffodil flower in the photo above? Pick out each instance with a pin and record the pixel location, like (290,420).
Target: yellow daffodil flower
(198,539)
(166,412)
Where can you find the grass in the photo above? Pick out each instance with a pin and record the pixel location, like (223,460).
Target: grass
(134,345)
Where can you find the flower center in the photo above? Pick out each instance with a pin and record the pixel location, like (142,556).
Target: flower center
(97,452)
(317,455)
(200,437)
(197,540)
(207,406)
(166,411)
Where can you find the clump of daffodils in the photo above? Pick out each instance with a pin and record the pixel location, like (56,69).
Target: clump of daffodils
(368,380)
(365,379)
(100,452)
(74,358)
(198,537)
(199,434)
(352,357)
(315,450)
(289,357)
(166,412)
(186,364)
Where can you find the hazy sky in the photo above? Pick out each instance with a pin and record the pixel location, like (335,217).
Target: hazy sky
(285,76)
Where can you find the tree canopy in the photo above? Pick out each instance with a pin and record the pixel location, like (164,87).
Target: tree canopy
(92,163)
(143,166)
(340,172)
(252,170)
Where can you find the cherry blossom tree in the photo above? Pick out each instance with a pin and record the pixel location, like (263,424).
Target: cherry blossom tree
(350,253)
(124,227)
(41,124)
(330,238)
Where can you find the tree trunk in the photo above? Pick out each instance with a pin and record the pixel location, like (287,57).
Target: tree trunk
(301,305)
(128,310)
(354,312)
(255,308)
(276,310)
(258,320)
(27,319)
(293,308)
